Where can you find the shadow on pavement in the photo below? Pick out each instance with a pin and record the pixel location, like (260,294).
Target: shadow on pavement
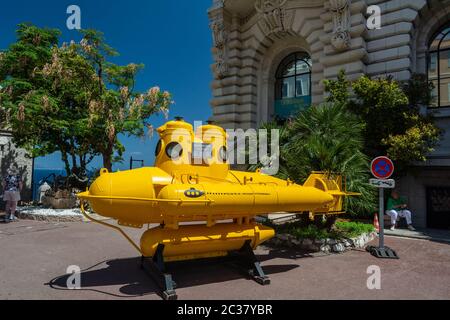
(135,282)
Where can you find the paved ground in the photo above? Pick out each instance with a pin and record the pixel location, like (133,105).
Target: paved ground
(34,257)
(421,233)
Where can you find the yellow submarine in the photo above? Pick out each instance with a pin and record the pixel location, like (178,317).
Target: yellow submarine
(202,209)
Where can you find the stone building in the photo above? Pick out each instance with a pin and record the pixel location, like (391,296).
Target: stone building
(10,155)
(271,57)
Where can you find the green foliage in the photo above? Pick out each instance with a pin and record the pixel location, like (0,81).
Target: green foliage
(71,99)
(311,232)
(327,138)
(338,90)
(419,90)
(341,230)
(390,111)
(353,229)
(415,143)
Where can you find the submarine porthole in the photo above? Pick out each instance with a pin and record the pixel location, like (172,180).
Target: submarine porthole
(223,154)
(158,148)
(174,150)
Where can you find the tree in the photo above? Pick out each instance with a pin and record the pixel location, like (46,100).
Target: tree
(329,138)
(118,108)
(44,92)
(70,99)
(393,122)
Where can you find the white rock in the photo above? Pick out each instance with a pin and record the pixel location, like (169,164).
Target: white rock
(331,242)
(325,248)
(359,243)
(50,212)
(338,248)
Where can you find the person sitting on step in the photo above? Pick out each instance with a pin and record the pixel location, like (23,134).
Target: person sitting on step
(397,207)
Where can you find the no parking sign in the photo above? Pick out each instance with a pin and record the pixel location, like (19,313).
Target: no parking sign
(382,167)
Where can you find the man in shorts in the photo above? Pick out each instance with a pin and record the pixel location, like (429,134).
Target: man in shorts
(12,186)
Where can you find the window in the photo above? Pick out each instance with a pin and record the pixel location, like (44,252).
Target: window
(433,61)
(439,67)
(293,85)
(448,91)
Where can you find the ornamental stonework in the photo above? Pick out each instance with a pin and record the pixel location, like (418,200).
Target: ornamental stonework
(273,16)
(340,10)
(220,38)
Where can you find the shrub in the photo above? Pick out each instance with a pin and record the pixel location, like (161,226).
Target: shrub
(393,124)
(327,138)
(353,229)
(342,229)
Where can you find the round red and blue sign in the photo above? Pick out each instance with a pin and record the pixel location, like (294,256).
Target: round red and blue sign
(382,167)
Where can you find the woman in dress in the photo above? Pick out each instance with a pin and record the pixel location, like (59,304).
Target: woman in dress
(12,186)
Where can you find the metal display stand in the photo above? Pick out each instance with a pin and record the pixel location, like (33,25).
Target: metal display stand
(245,258)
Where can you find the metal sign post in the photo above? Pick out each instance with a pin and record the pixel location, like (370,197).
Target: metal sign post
(381,217)
(382,168)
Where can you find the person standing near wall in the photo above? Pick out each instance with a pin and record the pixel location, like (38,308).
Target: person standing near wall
(12,186)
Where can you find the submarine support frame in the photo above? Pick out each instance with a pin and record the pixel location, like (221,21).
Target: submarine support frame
(244,258)
(155,266)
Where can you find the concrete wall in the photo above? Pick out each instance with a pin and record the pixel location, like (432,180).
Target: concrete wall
(413,187)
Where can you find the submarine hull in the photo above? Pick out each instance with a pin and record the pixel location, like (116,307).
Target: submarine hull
(151,198)
(197,241)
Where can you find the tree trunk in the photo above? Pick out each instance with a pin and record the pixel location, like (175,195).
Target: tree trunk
(66,161)
(107,158)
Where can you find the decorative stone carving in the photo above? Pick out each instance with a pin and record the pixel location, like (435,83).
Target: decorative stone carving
(217,4)
(219,33)
(340,10)
(220,37)
(221,64)
(273,16)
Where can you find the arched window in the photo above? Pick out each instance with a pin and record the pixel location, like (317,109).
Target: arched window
(293,85)
(439,67)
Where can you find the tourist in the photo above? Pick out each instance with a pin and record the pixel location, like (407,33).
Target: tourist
(12,186)
(398,208)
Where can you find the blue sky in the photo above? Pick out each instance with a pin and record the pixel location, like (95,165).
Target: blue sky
(171,37)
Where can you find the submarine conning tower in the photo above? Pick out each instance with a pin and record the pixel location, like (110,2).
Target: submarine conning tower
(187,155)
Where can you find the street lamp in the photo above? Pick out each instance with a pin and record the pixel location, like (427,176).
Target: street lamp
(134,160)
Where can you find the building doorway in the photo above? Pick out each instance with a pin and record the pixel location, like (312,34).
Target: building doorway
(438,207)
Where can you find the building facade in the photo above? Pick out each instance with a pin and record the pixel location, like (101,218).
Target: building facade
(270,57)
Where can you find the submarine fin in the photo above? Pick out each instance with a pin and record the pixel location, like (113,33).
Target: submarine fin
(334,185)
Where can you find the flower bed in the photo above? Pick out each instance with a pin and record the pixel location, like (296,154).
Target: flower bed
(345,236)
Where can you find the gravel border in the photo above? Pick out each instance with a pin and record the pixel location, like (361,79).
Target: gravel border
(49,215)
